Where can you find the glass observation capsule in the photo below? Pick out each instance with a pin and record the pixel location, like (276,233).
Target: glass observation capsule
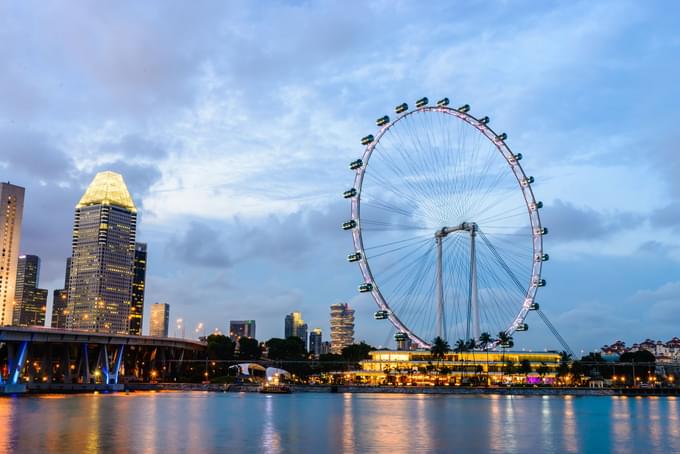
(542,257)
(401,108)
(522,327)
(484,120)
(443,102)
(422,102)
(527,181)
(502,136)
(354,257)
(349,193)
(365,287)
(356,164)
(366,140)
(380,315)
(540,283)
(382,121)
(541,231)
(464,108)
(534,307)
(400,337)
(349,225)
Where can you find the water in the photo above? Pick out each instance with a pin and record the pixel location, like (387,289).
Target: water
(349,423)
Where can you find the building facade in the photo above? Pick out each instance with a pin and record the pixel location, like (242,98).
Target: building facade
(11,214)
(160,320)
(315,342)
(138,284)
(342,327)
(30,302)
(102,259)
(60,301)
(241,328)
(295,326)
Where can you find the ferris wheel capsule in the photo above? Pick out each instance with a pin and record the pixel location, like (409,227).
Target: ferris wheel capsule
(464,108)
(382,121)
(354,165)
(422,102)
(349,193)
(443,102)
(522,327)
(503,136)
(401,108)
(484,120)
(365,287)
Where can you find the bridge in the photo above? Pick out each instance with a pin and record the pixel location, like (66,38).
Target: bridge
(39,358)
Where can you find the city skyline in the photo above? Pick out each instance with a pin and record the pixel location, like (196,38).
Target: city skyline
(200,165)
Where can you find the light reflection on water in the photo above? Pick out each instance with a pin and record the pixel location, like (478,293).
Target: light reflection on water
(349,423)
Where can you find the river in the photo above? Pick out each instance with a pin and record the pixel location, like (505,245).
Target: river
(333,423)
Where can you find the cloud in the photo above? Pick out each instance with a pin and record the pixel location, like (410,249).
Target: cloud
(570,223)
(200,245)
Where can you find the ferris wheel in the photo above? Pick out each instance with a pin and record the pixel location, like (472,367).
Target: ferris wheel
(445,225)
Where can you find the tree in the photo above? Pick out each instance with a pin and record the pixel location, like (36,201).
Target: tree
(220,348)
(249,348)
(525,367)
(542,370)
(485,340)
(461,346)
(506,342)
(292,348)
(439,348)
(357,352)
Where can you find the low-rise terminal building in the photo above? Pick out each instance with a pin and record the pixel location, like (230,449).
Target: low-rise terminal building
(402,367)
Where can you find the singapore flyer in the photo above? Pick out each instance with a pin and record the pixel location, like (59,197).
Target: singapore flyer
(445,227)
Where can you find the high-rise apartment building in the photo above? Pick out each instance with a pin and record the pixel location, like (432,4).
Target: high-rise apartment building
(241,328)
(138,284)
(160,319)
(315,341)
(30,302)
(11,214)
(102,259)
(60,301)
(295,326)
(342,327)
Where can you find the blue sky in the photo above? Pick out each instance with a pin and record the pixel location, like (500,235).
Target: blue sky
(233,124)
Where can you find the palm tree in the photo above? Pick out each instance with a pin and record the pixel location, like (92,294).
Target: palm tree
(485,339)
(439,349)
(506,342)
(461,346)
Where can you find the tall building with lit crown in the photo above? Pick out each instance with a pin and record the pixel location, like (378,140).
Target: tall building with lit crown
(102,259)
(295,326)
(315,342)
(60,301)
(342,327)
(11,214)
(138,284)
(30,302)
(160,319)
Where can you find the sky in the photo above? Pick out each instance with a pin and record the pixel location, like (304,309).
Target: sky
(233,124)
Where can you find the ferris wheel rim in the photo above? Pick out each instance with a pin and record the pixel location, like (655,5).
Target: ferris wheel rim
(529,201)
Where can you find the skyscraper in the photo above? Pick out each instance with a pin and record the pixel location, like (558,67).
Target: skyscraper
(60,300)
(160,319)
(11,213)
(138,283)
(295,326)
(342,327)
(241,328)
(102,259)
(30,302)
(315,341)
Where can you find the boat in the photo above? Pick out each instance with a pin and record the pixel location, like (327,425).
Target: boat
(269,388)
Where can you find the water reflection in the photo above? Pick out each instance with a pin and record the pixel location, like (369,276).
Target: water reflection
(349,423)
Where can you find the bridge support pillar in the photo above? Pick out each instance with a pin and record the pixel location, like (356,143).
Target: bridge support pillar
(16,361)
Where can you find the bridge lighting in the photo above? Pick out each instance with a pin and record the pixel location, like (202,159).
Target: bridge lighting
(356,164)
(354,257)
(464,108)
(422,102)
(366,287)
(502,136)
(401,108)
(484,120)
(349,225)
(443,102)
(527,181)
(349,193)
(366,140)
(382,121)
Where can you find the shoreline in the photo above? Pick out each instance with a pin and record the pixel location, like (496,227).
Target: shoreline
(345,389)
